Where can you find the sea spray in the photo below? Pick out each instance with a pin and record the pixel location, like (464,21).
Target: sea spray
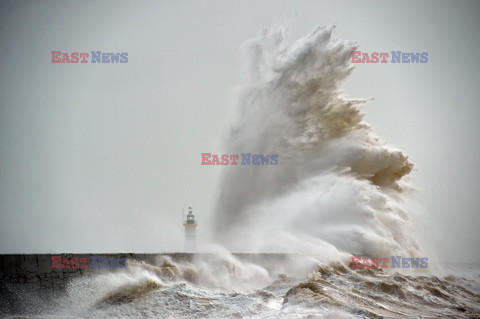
(223,286)
(338,187)
(337,190)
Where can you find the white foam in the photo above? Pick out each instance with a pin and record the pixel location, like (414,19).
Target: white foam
(338,187)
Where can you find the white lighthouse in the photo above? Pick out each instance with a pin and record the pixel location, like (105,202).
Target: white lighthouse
(190,225)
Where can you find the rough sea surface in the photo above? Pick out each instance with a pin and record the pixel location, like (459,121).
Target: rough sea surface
(337,190)
(224,287)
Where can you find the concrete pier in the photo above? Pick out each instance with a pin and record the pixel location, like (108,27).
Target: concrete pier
(37,271)
(29,281)
(37,275)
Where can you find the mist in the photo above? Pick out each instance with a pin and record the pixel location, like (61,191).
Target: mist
(102,158)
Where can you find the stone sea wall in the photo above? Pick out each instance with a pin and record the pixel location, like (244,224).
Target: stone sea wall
(30,280)
(37,275)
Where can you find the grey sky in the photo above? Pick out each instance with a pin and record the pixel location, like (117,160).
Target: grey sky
(97,158)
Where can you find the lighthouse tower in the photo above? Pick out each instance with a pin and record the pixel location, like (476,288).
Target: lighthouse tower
(190,225)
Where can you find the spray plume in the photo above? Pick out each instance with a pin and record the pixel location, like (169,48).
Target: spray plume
(338,187)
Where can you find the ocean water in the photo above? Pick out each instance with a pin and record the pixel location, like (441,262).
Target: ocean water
(337,190)
(222,286)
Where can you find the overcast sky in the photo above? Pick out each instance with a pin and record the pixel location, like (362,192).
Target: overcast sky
(102,157)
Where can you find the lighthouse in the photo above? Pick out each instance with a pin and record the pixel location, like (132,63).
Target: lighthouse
(190,225)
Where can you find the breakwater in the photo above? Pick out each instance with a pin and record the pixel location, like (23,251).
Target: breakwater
(32,279)
(42,272)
